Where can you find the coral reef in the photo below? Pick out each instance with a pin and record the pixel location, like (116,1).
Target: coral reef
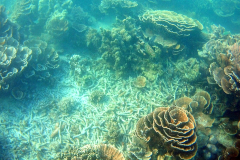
(229,154)
(188,70)
(113,136)
(7,28)
(124,50)
(169,130)
(80,70)
(14,59)
(222,52)
(44,60)
(156,71)
(119,6)
(218,43)
(93,39)
(14,56)
(88,152)
(227,75)
(168,27)
(57,24)
(57,129)
(23,11)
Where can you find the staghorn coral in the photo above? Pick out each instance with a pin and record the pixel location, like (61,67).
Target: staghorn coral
(93,152)
(57,129)
(226,72)
(170,131)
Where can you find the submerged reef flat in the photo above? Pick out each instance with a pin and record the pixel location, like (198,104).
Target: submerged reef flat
(108,111)
(119,79)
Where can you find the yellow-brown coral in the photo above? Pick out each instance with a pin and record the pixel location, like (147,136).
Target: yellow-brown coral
(170,130)
(227,76)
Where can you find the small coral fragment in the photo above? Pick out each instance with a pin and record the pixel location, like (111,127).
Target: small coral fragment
(140,82)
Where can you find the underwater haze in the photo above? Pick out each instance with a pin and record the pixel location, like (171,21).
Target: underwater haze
(119,79)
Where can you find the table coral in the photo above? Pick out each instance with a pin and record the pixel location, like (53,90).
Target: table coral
(170,130)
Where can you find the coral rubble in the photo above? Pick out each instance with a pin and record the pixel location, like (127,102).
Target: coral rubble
(88,152)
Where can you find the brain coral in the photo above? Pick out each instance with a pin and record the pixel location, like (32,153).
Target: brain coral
(170,131)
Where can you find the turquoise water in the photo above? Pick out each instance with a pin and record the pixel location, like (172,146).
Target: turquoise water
(119,79)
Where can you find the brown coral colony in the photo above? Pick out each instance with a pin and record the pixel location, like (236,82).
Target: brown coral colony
(228,75)
(173,128)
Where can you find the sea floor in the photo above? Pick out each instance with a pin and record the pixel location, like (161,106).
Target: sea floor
(50,119)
